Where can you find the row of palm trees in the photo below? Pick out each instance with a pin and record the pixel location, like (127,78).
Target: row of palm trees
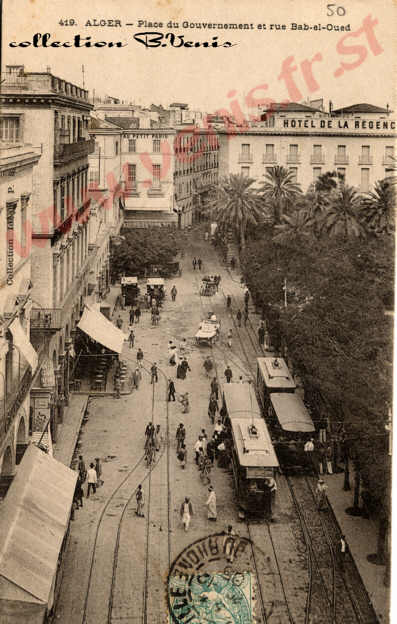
(328,208)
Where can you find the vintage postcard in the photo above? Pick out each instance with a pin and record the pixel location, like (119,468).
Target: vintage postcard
(196,311)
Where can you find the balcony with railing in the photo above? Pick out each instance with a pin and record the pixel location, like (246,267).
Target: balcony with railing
(293,159)
(65,152)
(269,158)
(317,159)
(365,160)
(48,319)
(389,161)
(246,158)
(342,159)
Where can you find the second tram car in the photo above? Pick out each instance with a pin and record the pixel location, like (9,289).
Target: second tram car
(254,460)
(288,418)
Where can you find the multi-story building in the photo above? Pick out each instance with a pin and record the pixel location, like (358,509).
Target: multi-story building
(19,362)
(49,112)
(196,172)
(357,141)
(107,203)
(167,167)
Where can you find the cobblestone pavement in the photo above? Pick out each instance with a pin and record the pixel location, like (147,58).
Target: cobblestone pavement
(117,563)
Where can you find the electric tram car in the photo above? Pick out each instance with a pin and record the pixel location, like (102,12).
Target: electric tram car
(288,418)
(254,460)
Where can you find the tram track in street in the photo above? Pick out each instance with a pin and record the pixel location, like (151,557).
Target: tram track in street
(264,611)
(125,505)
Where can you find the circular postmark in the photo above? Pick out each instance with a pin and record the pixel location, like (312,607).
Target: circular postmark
(215,580)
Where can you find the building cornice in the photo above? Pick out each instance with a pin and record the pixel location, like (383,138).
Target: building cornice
(44,100)
(337,135)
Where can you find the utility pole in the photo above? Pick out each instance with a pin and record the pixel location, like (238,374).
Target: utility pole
(285,292)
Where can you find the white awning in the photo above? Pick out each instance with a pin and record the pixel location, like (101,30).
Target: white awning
(100,329)
(22,343)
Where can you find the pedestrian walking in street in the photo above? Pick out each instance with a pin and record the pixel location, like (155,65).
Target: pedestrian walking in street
(82,469)
(246,317)
(174,292)
(119,322)
(194,263)
(139,357)
(185,366)
(131,339)
(328,459)
(321,492)
(199,263)
(212,407)
(228,543)
(261,334)
(211,504)
(246,297)
(98,470)
(140,501)
(186,512)
(149,433)
(208,366)
(180,436)
(228,302)
(205,466)
(184,399)
(153,373)
(204,440)
(198,447)
(342,550)
(211,450)
(137,314)
(132,315)
(136,379)
(228,374)
(322,467)
(239,317)
(309,452)
(92,480)
(206,235)
(233,263)
(157,438)
(322,430)
(171,390)
(78,493)
(230,338)
(215,387)
(182,456)
(180,371)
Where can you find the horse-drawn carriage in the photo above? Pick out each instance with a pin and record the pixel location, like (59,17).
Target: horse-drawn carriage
(130,290)
(209,285)
(208,331)
(155,288)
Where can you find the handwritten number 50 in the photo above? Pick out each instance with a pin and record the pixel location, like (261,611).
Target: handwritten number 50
(339,10)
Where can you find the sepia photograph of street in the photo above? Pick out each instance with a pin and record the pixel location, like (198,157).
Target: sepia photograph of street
(197,229)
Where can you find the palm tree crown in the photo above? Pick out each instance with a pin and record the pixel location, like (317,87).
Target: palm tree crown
(342,217)
(378,208)
(280,191)
(238,204)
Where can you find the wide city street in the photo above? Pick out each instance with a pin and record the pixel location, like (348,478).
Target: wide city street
(117,563)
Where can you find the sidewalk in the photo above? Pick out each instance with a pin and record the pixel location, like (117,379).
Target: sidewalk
(68,431)
(361,537)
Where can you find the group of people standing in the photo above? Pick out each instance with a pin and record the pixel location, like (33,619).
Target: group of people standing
(197,263)
(93,476)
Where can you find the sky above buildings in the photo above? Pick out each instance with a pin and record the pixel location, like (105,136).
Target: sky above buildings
(278,62)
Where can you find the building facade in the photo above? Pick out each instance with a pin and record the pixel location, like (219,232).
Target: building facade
(53,114)
(357,141)
(107,203)
(18,364)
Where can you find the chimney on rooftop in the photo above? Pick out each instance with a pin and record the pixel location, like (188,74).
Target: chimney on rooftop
(388,108)
(331,107)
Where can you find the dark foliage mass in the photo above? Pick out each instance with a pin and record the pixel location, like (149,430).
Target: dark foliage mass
(142,249)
